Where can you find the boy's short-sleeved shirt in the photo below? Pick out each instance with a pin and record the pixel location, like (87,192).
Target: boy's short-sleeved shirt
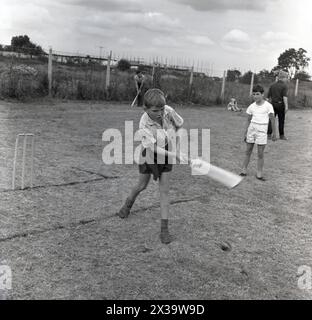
(152,133)
(260,114)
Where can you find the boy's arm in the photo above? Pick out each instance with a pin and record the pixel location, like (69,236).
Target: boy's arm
(285,100)
(272,119)
(285,97)
(269,96)
(247,125)
(175,117)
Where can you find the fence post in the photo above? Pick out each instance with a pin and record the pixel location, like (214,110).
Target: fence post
(50,71)
(107,83)
(153,72)
(223,87)
(191,76)
(251,83)
(191,83)
(296,88)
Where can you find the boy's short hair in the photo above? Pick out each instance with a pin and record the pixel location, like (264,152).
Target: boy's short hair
(154,97)
(138,71)
(258,88)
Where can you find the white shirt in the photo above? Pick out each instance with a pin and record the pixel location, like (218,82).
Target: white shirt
(152,132)
(260,113)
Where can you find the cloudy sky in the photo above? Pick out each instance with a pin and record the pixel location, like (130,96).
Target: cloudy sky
(212,34)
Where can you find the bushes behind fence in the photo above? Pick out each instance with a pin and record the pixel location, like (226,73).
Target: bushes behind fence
(88,82)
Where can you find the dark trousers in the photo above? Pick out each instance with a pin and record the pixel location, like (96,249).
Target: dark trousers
(140,96)
(140,99)
(279,111)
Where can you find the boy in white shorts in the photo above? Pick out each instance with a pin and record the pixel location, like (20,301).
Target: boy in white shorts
(259,114)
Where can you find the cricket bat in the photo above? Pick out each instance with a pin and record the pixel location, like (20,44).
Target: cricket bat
(228,179)
(135,99)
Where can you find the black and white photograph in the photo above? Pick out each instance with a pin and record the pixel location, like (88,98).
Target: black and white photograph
(155,150)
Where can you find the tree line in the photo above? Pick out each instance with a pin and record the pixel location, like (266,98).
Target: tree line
(291,60)
(22,44)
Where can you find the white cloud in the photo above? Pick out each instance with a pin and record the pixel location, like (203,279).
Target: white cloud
(189,28)
(158,21)
(224,5)
(15,20)
(277,36)
(151,21)
(126,42)
(107,5)
(236,36)
(237,41)
(276,42)
(167,41)
(200,40)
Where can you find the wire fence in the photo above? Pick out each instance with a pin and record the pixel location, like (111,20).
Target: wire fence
(76,75)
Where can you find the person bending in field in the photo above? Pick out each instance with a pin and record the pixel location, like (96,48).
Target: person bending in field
(139,85)
(155,125)
(259,114)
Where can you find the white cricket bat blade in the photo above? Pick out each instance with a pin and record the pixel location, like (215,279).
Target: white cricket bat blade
(228,179)
(133,102)
(135,99)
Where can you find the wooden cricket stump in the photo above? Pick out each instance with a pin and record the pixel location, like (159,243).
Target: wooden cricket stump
(22,139)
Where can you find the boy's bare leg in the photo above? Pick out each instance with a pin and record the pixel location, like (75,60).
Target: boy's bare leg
(260,161)
(247,157)
(139,187)
(164,207)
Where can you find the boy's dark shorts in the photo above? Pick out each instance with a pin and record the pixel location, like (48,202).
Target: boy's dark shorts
(155,169)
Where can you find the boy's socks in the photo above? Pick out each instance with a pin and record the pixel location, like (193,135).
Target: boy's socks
(125,210)
(164,225)
(164,232)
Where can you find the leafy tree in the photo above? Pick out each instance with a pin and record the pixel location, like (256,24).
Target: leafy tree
(233,75)
(266,75)
(302,76)
(24,45)
(293,61)
(246,78)
(123,65)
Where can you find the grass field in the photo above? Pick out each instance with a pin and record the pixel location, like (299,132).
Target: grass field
(62,239)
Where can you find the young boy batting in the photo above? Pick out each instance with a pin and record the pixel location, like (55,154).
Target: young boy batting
(155,124)
(259,114)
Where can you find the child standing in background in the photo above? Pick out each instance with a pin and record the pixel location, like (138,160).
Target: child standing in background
(259,114)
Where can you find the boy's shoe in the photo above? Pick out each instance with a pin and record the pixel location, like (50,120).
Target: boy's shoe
(125,210)
(165,237)
(260,178)
(283,137)
(242,174)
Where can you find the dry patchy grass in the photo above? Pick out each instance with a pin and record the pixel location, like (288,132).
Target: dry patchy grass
(63,240)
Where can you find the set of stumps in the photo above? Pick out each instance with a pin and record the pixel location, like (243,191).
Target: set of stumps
(27,141)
